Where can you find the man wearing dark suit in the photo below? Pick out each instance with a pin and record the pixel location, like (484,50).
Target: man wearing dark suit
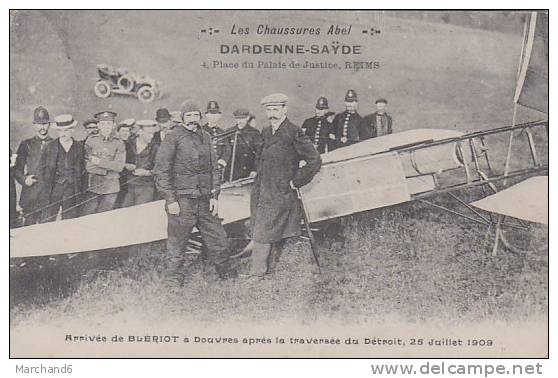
(165,123)
(378,123)
(25,171)
(140,160)
(317,128)
(346,125)
(124,133)
(276,212)
(62,172)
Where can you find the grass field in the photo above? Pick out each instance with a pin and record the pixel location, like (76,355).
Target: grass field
(410,262)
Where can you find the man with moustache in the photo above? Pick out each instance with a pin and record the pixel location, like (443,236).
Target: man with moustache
(346,125)
(105,156)
(276,212)
(25,170)
(317,128)
(248,142)
(62,169)
(222,146)
(188,176)
(176,119)
(378,123)
(140,160)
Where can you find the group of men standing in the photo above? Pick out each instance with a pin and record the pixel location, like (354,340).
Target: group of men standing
(176,158)
(329,131)
(67,177)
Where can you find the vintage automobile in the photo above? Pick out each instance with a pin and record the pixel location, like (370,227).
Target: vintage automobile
(121,81)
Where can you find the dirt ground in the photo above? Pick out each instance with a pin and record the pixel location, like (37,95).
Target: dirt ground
(409,262)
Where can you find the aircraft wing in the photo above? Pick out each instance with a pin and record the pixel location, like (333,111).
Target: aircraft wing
(353,179)
(117,228)
(527,200)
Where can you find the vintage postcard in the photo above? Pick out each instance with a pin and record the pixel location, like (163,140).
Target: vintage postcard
(287,183)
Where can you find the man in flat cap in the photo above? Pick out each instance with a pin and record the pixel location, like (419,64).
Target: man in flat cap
(62,169)
(25,170)
(105,156)
(188,176)
(221,145)
(140,160)
(346,125)
(378,123)
(276,212)
(165,124)
(246,141)
(317,128)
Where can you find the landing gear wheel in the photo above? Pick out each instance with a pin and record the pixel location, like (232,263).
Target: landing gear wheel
(102,89)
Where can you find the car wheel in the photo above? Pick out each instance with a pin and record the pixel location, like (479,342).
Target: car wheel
(102,89)
(126,83)
(146,94)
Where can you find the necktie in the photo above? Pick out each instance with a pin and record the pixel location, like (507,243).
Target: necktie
(381,124)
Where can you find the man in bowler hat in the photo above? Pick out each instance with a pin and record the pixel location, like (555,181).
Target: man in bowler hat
(26,166)
(165,124)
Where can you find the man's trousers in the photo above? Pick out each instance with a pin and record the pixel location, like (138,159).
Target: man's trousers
(195,212)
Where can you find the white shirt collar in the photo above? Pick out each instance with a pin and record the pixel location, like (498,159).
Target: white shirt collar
(66,145)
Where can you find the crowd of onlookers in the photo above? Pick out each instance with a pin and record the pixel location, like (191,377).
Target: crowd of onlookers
(112,168)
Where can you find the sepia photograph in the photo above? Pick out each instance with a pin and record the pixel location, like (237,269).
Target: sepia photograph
(278,184)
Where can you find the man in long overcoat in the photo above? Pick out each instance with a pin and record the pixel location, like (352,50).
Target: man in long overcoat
(276,211)
(25,169)
(62,172)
